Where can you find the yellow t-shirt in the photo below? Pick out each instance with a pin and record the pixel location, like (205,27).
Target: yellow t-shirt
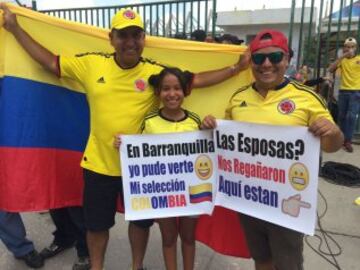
(119,99)
(156,123)
(290,104)
(350,73)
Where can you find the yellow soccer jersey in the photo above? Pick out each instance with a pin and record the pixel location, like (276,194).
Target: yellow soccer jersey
(157,123)
(350,73)
(119,99)
(291,104)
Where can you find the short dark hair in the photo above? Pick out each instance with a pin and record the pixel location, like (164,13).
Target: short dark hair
(231,38)
(198,35)
(184,77)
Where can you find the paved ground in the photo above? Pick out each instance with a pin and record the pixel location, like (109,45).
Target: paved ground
(339,217)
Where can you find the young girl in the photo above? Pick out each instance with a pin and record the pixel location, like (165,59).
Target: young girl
(172,85)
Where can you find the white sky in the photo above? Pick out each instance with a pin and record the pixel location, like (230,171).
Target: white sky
(222,5)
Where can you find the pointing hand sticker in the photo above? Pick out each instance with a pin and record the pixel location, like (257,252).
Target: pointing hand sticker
(292,205)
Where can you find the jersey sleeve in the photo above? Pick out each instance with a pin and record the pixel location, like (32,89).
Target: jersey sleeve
(318,109)
(196,118)
(73,67)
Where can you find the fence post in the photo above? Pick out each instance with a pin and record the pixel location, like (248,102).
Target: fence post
(306,55)
(339,26)
(300,45)
(214,18)
(292,16)
(33,5)
(318,47)
(328,36)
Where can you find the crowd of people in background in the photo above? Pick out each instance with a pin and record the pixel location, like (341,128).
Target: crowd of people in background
(202,36)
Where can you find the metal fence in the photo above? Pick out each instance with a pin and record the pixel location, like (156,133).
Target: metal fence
(320,36)
(160,18)
(336,20)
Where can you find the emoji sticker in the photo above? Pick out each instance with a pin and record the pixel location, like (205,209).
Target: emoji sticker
(299,176)
(203,167)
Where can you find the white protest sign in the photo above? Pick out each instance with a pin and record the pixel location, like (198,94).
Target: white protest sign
(268,172)
(167,175)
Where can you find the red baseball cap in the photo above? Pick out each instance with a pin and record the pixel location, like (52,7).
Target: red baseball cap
(273,38)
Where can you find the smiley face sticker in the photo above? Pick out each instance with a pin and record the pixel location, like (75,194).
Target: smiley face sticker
(299,176)
(203,167)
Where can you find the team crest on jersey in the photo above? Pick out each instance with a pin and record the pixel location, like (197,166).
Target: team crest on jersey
(286,106)
(140,85)
(129,14)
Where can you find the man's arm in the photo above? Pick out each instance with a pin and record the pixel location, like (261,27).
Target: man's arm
(331,137)
(212,77)
(333,67)
(40,54)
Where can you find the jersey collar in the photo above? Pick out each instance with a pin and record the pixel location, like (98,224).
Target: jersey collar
(280,86)
(171,120)
(118,64)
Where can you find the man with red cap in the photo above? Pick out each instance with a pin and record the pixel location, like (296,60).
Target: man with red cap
(119,97)
(274,99)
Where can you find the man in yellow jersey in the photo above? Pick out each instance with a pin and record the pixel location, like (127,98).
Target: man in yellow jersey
(119,97)
(349,92)
(274,99)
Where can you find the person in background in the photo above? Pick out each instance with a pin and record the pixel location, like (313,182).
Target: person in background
(198,35)
(349,91)
(230,39)
(209,39)
(180,35)
(13,235)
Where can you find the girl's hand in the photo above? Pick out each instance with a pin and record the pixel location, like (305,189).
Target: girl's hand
(244,60)
(117,141)
(209,122)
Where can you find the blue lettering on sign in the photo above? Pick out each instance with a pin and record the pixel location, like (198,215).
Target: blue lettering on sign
(261,195)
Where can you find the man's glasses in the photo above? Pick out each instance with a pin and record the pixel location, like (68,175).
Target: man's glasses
(274,57)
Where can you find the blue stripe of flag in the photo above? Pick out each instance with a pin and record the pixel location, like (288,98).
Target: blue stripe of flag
(34,114)
(200,195)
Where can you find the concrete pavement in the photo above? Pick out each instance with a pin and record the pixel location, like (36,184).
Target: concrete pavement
(339,217)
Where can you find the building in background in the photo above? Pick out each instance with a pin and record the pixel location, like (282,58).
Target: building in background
(246,23)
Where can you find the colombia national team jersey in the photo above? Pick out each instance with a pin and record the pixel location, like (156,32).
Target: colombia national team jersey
(119,99)
(156,123)
(350,73)
(290,104)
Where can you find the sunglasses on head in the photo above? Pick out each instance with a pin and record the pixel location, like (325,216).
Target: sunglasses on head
(274,57)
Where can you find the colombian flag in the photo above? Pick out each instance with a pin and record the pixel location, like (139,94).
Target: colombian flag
(200,193)
(44,120)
